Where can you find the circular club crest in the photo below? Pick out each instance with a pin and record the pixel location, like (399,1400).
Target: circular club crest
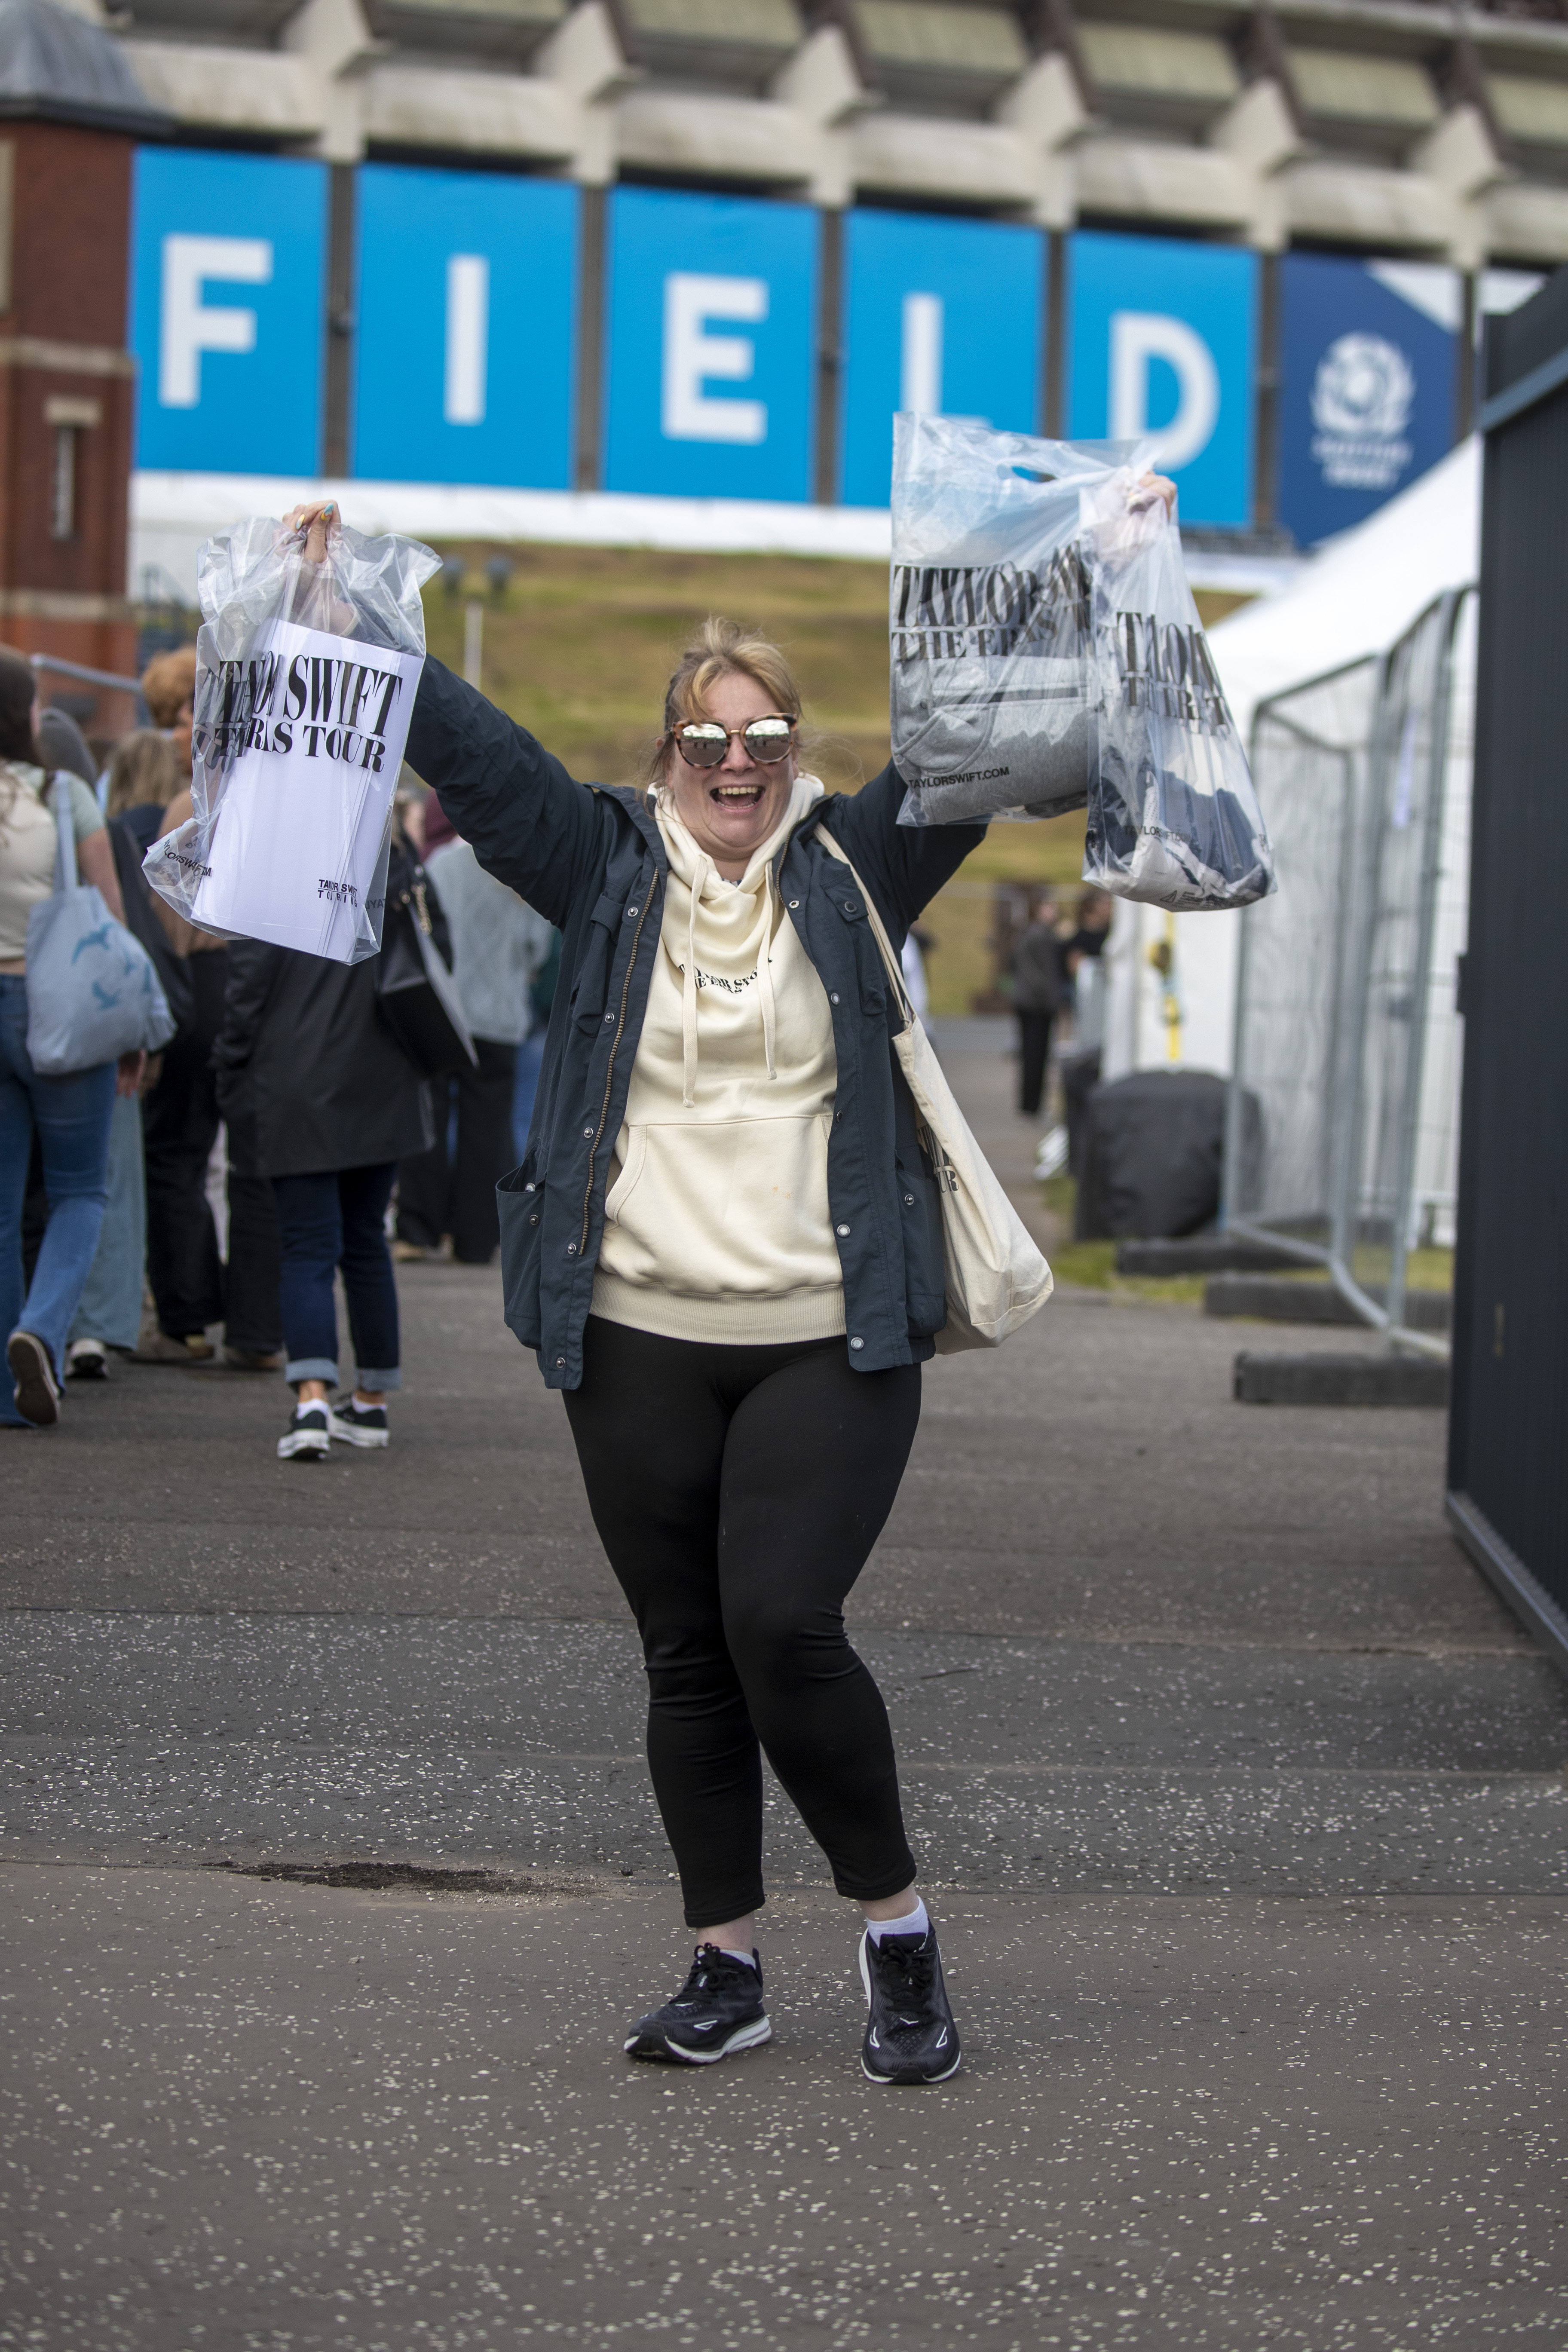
(1364,388)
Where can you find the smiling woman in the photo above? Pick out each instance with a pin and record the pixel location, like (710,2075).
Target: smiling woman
(725,1243)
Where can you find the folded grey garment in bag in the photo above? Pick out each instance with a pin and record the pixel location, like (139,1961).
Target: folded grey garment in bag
(970,753)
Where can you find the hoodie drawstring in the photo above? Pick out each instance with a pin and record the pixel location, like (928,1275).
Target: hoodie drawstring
(765,970)
(689,993)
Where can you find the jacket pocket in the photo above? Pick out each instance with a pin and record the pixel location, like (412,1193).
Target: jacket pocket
(925,1252)
(520,1201)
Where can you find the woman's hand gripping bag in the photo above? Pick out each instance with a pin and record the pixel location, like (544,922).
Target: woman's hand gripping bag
(306,676)
(1173,818)
(993,690)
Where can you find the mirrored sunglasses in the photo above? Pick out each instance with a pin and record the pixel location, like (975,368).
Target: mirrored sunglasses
(702,742)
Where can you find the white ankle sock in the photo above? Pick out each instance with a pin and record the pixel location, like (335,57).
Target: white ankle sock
(750,1958)
(914,1923)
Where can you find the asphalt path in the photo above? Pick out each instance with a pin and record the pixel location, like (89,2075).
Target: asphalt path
(330,1877)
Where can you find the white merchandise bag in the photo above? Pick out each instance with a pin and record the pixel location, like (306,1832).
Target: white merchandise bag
(305,684)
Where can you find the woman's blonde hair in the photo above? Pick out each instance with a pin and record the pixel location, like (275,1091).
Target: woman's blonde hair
(144,771)
(722,650)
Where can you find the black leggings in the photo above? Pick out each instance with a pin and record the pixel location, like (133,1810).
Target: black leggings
(737,1492)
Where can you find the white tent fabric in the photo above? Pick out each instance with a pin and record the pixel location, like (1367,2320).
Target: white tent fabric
(1361,591)
(1355,596)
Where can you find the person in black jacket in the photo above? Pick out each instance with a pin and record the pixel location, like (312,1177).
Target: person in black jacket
(319,1098)
(725,1244)
(1037,999)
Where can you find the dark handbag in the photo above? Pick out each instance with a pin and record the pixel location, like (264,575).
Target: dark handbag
(415,995)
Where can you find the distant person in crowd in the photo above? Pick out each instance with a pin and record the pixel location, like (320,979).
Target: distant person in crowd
(1037,994)
(62,744)
(531,1052)
(169,690)
(191,1288)
(726,1244)
(324,1104)
(142,779)
(917,944)
(72,1115)
(497,944)
(1082,952)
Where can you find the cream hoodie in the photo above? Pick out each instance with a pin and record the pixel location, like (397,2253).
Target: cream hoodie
(716,1220)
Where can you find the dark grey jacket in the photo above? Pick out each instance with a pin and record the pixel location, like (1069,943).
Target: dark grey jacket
(310,1079)
(591,861)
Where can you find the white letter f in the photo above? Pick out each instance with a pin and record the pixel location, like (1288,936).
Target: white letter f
(187,326)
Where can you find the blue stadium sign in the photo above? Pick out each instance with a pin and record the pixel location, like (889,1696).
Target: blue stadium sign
(1163,338)
(227,257)
(939,316)
(710,351)
(1367,361)
(466,308)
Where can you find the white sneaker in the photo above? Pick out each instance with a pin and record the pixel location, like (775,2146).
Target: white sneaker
(87,1360)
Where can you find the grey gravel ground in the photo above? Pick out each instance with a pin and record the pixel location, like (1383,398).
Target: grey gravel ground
(1241,1799)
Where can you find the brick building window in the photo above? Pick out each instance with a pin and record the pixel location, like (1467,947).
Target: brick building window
(67,420)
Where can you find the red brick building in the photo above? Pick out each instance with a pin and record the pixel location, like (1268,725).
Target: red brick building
(70,115)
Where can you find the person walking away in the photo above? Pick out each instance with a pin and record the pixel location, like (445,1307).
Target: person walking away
(326,1104)
(498,943)
(72,1116)
(142,780)
(1083,960)
(192,1285)
(531,1052)
(725,1244)
(1038,994)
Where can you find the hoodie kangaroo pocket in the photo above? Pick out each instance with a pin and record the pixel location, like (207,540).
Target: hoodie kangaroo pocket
(730,1208)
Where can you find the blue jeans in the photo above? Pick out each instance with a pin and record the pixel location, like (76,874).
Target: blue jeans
(72,1117)
(111,1306)
(327,1222)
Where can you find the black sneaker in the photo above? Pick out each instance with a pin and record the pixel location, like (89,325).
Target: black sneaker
(359,1425)
(309,1436)
(910,2033)
(719,2009)
(37,1392)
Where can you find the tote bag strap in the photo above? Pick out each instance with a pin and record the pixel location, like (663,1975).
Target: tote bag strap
(65,851)
(895,969)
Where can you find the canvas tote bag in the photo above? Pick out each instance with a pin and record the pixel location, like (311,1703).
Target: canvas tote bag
(92,993)
(997,1279)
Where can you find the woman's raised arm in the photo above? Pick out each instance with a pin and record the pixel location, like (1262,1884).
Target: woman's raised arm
(530,825)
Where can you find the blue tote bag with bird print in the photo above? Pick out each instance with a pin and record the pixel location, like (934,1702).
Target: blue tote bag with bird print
(92,993)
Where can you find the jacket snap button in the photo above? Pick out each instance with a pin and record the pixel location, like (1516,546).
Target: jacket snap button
(608,1018)
(832,996)
(909,1199)
(588,1132)
(534,1219)
(560,1364)
(571,1249)
(852,906)
(841,1230)
(856,1343)
(794,902)
(630,912)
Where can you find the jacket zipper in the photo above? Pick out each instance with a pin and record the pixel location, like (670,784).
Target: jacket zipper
(610,1066)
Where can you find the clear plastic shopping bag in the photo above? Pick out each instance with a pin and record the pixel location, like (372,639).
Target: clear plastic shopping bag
(1046,653)
(1173,818)
(306,676)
